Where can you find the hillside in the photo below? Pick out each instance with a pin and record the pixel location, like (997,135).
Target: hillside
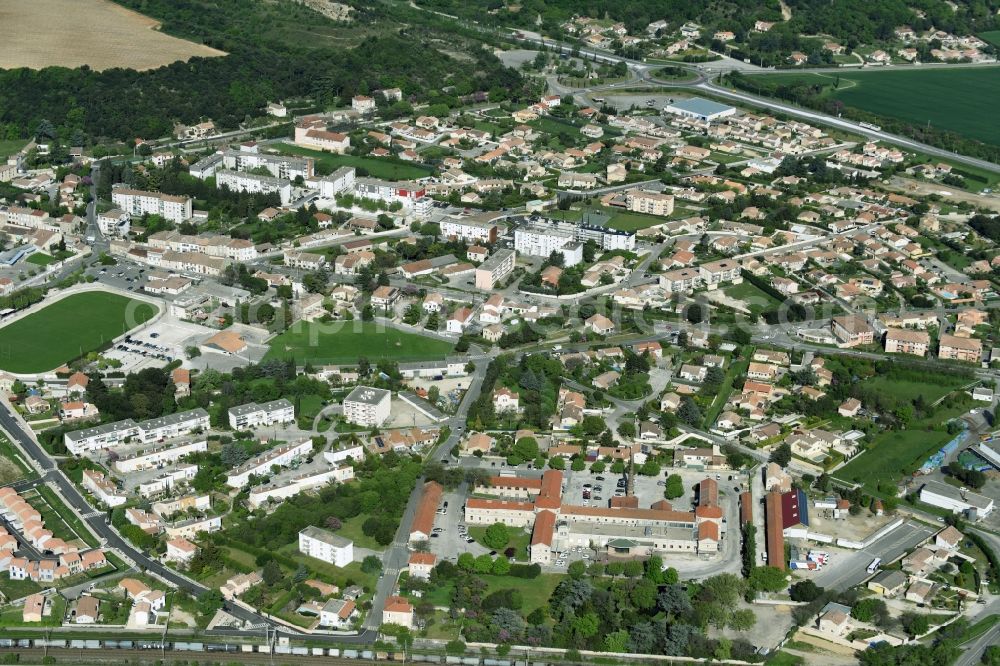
(860,20)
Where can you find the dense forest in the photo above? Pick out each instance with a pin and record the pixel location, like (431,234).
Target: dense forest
(275,52)
(847,20)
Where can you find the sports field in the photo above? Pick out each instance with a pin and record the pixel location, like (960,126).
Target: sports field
(375,166)
(346,342)
(68,328)
(962,100)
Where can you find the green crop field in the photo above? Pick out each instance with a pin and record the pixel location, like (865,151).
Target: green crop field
(993,37)
(345,342)
(962,100)
(375,166)
(67,329)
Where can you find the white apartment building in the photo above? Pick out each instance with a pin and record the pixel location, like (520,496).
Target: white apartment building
(537,240)
(469,230)
(650,203)
(279,166)
(251,183)
(348,452)
(366,406)
(499,265)
(189,529)
(683,280)
(253,415)
(341,180)
(159,456)
(159,429)
(102,488)
(716,273)
(114,222)
(175,209)
(412,196)
(282,490)
(261,465)
(326,546)
(168,507)
(167,481)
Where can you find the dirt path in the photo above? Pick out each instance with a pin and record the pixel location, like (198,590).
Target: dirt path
(786,12)
(911,186)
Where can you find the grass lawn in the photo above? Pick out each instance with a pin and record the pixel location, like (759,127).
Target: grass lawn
(634,221)
(40,259)
(55,606)
(735,369)
(309,407)
(894,454)
(10,146)
(784,659)
(13,466)
(67,329)
(752,295)
(17,589)
(375,166)
(519,540)
(60,518)
(341,576)
(960,100)
(534,591)
(345,342)
(351,529)
(909,390)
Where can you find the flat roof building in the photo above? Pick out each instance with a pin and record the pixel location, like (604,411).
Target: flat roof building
(702,109)
(367,406)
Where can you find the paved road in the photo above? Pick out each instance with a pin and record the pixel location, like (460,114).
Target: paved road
(397,556)
(851,568)
(702,83)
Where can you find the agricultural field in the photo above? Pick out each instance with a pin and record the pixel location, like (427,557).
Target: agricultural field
(97,33)
(67,329)
(962,100)
(993,37)
(376,167)
(328,344)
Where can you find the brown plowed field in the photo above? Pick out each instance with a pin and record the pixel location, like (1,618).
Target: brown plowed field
(98,33)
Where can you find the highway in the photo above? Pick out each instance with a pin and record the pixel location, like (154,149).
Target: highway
(702,83)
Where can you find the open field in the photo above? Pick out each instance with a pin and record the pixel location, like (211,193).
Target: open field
(376,167)
(98,33)
(13,466)
(992,36)
(895,454)
(68,328)
(955,99)
(347,341)
(10,146)
(909,390)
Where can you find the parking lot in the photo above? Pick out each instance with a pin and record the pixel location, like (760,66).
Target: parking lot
(157,344)
(449,538)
